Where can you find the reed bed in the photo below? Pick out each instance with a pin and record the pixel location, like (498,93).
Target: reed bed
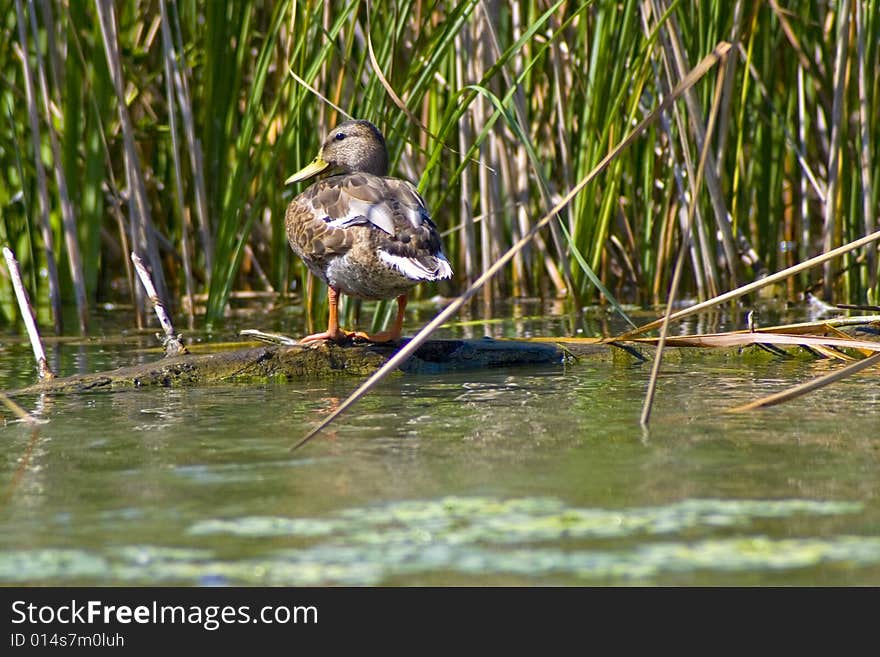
(167,127)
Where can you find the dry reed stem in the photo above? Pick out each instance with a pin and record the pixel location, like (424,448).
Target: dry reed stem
(804,206)
(727,94)
(317,93)
(865,151)
(468,235)
(834,156)
(167,50)
(27,314)
(172,342)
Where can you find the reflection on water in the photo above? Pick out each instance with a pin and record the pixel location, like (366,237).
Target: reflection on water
(516,476)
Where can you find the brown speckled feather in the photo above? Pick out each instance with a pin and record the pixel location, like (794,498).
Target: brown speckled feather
(368,236)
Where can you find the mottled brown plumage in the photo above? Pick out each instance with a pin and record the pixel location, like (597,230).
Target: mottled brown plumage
(363,233)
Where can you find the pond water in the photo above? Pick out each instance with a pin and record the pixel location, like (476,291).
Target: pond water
(526,476)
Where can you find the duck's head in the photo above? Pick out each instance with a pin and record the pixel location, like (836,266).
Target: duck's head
(351,146)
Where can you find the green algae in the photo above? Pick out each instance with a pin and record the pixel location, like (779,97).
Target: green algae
(525,538)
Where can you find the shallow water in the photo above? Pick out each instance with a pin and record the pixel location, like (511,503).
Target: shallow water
(538,475)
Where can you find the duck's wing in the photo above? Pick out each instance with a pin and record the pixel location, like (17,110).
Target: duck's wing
(405,237)
(312,222)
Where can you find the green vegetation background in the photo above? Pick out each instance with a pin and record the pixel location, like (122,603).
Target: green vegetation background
(169,127)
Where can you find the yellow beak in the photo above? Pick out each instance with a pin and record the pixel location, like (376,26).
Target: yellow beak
(313,168)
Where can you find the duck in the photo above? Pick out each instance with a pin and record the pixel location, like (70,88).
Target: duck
(364,233)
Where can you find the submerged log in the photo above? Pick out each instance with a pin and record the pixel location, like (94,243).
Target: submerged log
(276,362)
(285,362)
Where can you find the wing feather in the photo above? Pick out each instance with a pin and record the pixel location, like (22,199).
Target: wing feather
(406,238)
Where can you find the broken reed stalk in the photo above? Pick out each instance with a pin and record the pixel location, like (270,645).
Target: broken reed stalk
(172,343)
(27,314)
(405,352)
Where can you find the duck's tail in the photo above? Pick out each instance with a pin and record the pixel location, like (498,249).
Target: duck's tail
(421,268)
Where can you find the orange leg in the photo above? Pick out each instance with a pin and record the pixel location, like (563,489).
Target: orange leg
(333,331)
(337,334)
(396,330)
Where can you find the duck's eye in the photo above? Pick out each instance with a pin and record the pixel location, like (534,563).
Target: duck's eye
(340,136)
